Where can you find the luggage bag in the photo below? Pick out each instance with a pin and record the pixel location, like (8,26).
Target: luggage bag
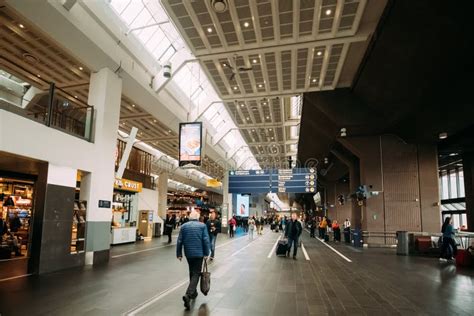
(282,247)
(463,258)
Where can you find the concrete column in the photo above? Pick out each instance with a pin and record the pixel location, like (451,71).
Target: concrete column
(105,91)
(226,202)
(162,194)
(468,168)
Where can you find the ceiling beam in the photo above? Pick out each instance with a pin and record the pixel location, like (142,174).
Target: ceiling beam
(235,20)
(222,75)
(360,37)
(294,68)
(263,65)
(255,20)
(337,18)
(296,19)
(324,68)
(316,18)
(309,68)
(276,20)
(275,93)
(358,17)
(134,116)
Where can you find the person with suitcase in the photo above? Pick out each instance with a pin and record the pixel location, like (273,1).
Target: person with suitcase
(293,232)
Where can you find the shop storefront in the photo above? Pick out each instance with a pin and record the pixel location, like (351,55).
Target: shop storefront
(125,211)
(16,222)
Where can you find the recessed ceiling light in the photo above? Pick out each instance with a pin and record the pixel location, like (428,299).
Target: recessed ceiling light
(75,96)
(253,130)
(268,117)
(319,53)
(224,64)
(21,26)
(235,88)
(248,118)
(123,123)
(270,129)
(264,103)
(246,24)
(154,121)
(242,105)
(133,105)
(260,85)
(314,80)
(80,68)
(209,30)
(328,12)
(38,75)
(254,61)
(443,135)
(453,154)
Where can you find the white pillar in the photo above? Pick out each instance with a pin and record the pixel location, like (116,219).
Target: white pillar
(162,194)
(105,93)
(227,200)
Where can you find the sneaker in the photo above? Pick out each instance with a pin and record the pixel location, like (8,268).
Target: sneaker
(187,303)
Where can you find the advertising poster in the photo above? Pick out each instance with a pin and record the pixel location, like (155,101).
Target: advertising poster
(242,205)
(190,143)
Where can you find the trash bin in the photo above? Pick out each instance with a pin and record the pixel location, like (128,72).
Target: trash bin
(357,238)
(157,230)
(402,243)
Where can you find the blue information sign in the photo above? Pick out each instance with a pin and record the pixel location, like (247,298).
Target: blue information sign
(298,180)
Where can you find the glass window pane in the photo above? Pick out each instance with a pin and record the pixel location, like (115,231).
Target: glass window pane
(131,11)
(444,183)
(462,193)
(453,185)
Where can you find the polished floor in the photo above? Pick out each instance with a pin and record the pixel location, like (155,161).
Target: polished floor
(247,279)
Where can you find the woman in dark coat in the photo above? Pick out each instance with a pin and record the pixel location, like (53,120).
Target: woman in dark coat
(169,224)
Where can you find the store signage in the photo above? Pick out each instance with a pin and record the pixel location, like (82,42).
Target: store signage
(128,185)
(190,143)
(214,183)
(105,204)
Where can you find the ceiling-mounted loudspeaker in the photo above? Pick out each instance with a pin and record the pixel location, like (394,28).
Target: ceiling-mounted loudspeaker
(219,6)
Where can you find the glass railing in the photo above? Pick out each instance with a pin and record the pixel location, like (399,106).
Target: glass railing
(54,108)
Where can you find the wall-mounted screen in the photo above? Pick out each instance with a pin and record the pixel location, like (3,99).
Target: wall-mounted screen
(242,205)
(190,143)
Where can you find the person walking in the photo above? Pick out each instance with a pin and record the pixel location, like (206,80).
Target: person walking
(169,224)
(293,230)
(448,247)
(336,231)
(347,231)
(213,228)
(251,222)
(232,227)
(322,227)
(312,226)
(194,238)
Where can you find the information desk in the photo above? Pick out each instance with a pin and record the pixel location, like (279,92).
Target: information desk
(122,235)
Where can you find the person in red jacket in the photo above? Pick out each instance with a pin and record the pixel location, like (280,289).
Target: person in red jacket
(336,230)
(232,226)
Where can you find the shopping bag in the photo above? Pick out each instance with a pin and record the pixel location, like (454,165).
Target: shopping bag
(205,279)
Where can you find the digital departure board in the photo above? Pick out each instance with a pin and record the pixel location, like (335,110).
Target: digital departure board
(297,180)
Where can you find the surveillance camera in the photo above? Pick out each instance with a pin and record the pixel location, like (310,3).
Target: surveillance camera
(167,70)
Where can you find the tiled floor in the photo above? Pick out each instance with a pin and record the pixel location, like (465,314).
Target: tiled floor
(146,279)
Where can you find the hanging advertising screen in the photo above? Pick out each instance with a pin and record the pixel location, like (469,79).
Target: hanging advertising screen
(242,205)
(190,143)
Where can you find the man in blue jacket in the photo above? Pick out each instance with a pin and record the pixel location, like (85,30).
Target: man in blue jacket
(194,237)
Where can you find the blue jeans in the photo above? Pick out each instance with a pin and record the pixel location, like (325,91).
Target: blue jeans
(293,242)
(213,239)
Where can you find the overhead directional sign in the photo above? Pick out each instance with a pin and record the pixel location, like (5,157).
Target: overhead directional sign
(297,180)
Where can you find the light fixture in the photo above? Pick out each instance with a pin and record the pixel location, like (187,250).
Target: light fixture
(209,30)
(219,6)
(254,61)
(328,12)
(80,68)
(253,130)
(246,24)
(21,26)
(343,132)
(154,121)
(224,64)
(38,75)
(443,135)
(248,118)
(268,117)
(264,103)
(270,129)
(133,105)
(326,160)
(169,131)
(319,53)
(235,88)
(314,80)
(453,154)
(260,85)
(75,96)
(273,139)
(242,105)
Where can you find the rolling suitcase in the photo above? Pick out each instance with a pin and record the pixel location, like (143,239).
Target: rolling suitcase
(282,247)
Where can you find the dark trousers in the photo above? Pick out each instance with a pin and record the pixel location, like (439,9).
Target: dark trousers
(445,251)
(231,231)
(292,241)
(213,239)
(337,234)
(312,231)
(169,238)
(322,232)
(195,266)
(347,235)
